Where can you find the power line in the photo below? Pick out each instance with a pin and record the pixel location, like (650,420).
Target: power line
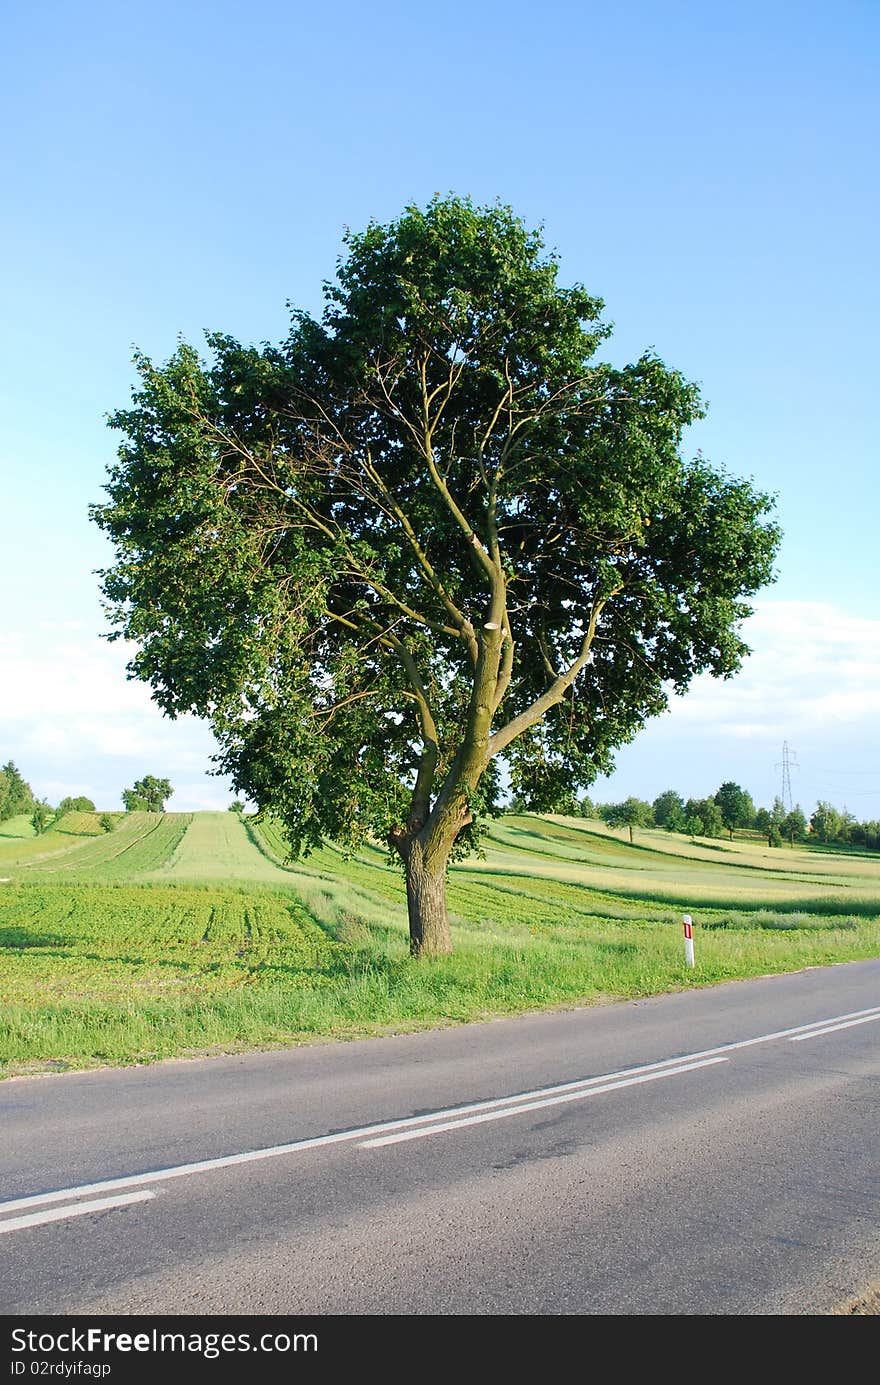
(850,793)
(822,770)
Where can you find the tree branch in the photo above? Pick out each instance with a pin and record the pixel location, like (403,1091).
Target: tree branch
(554,693)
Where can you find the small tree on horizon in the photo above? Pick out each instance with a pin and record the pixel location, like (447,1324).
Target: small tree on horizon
(147,796)
(694,826)
(80,804)
(633,812)
(707,813)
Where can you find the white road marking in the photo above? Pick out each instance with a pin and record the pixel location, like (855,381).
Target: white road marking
(433,1118)
(316,1141)
(75,1209)
(832,1029)
(534,1105)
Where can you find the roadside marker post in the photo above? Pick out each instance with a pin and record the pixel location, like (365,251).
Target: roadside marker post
(688,939)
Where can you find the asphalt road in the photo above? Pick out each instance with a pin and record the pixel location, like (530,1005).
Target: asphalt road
(685,1154)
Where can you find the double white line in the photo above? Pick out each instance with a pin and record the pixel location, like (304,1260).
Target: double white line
(21,1212)
(76,1209)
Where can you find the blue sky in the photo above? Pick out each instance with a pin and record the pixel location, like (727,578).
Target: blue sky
(709,171)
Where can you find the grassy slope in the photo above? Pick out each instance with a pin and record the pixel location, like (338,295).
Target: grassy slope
(19,826)
(217,846)
(69,833)
(140,842)
(182,932)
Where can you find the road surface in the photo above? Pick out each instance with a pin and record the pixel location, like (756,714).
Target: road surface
(708,1152)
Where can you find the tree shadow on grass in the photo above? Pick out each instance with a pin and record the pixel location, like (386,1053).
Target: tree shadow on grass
(20,938)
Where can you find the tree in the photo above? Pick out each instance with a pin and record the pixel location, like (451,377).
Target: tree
(735,805)
(16,796)
(41,817)
(694,825)
(147,796)
(76,805)
(828,824)
(794,825)
(763,819)
(669,811)
(866,834)
(772,822)
(428,534)
(236,806)
(106,823)
(707,813)
(633,812)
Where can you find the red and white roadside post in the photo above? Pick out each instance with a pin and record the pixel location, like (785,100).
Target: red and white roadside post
(688,939)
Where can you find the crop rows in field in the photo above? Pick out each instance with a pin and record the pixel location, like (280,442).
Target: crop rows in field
(140,843)
(671,853)
(270,833)
(218,846)
(55,841)
(92,940)
(531,903)
(75,824)
(103,972)
(572,875)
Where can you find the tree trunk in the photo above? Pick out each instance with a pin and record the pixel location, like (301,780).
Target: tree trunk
(429,934)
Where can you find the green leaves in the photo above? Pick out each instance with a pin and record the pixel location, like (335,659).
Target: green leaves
(16,795)
(427,526)
(147,796)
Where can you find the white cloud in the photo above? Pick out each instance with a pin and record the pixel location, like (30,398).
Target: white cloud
(812,668)
(75,723)
(812,680)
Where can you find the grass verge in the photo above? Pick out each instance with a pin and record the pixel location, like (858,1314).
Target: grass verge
(114,974)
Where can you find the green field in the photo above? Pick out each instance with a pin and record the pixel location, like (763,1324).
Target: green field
(184,933)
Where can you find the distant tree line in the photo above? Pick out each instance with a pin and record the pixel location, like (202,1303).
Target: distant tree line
(725,812)
(16,795)
(18,798)
(730,809)
(828,824)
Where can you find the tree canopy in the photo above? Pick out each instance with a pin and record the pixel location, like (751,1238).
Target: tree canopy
(735,805)
(632,812)
(669,811)
(147,796)
(426,534)
(703,817)
(16,795)
(79,804)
